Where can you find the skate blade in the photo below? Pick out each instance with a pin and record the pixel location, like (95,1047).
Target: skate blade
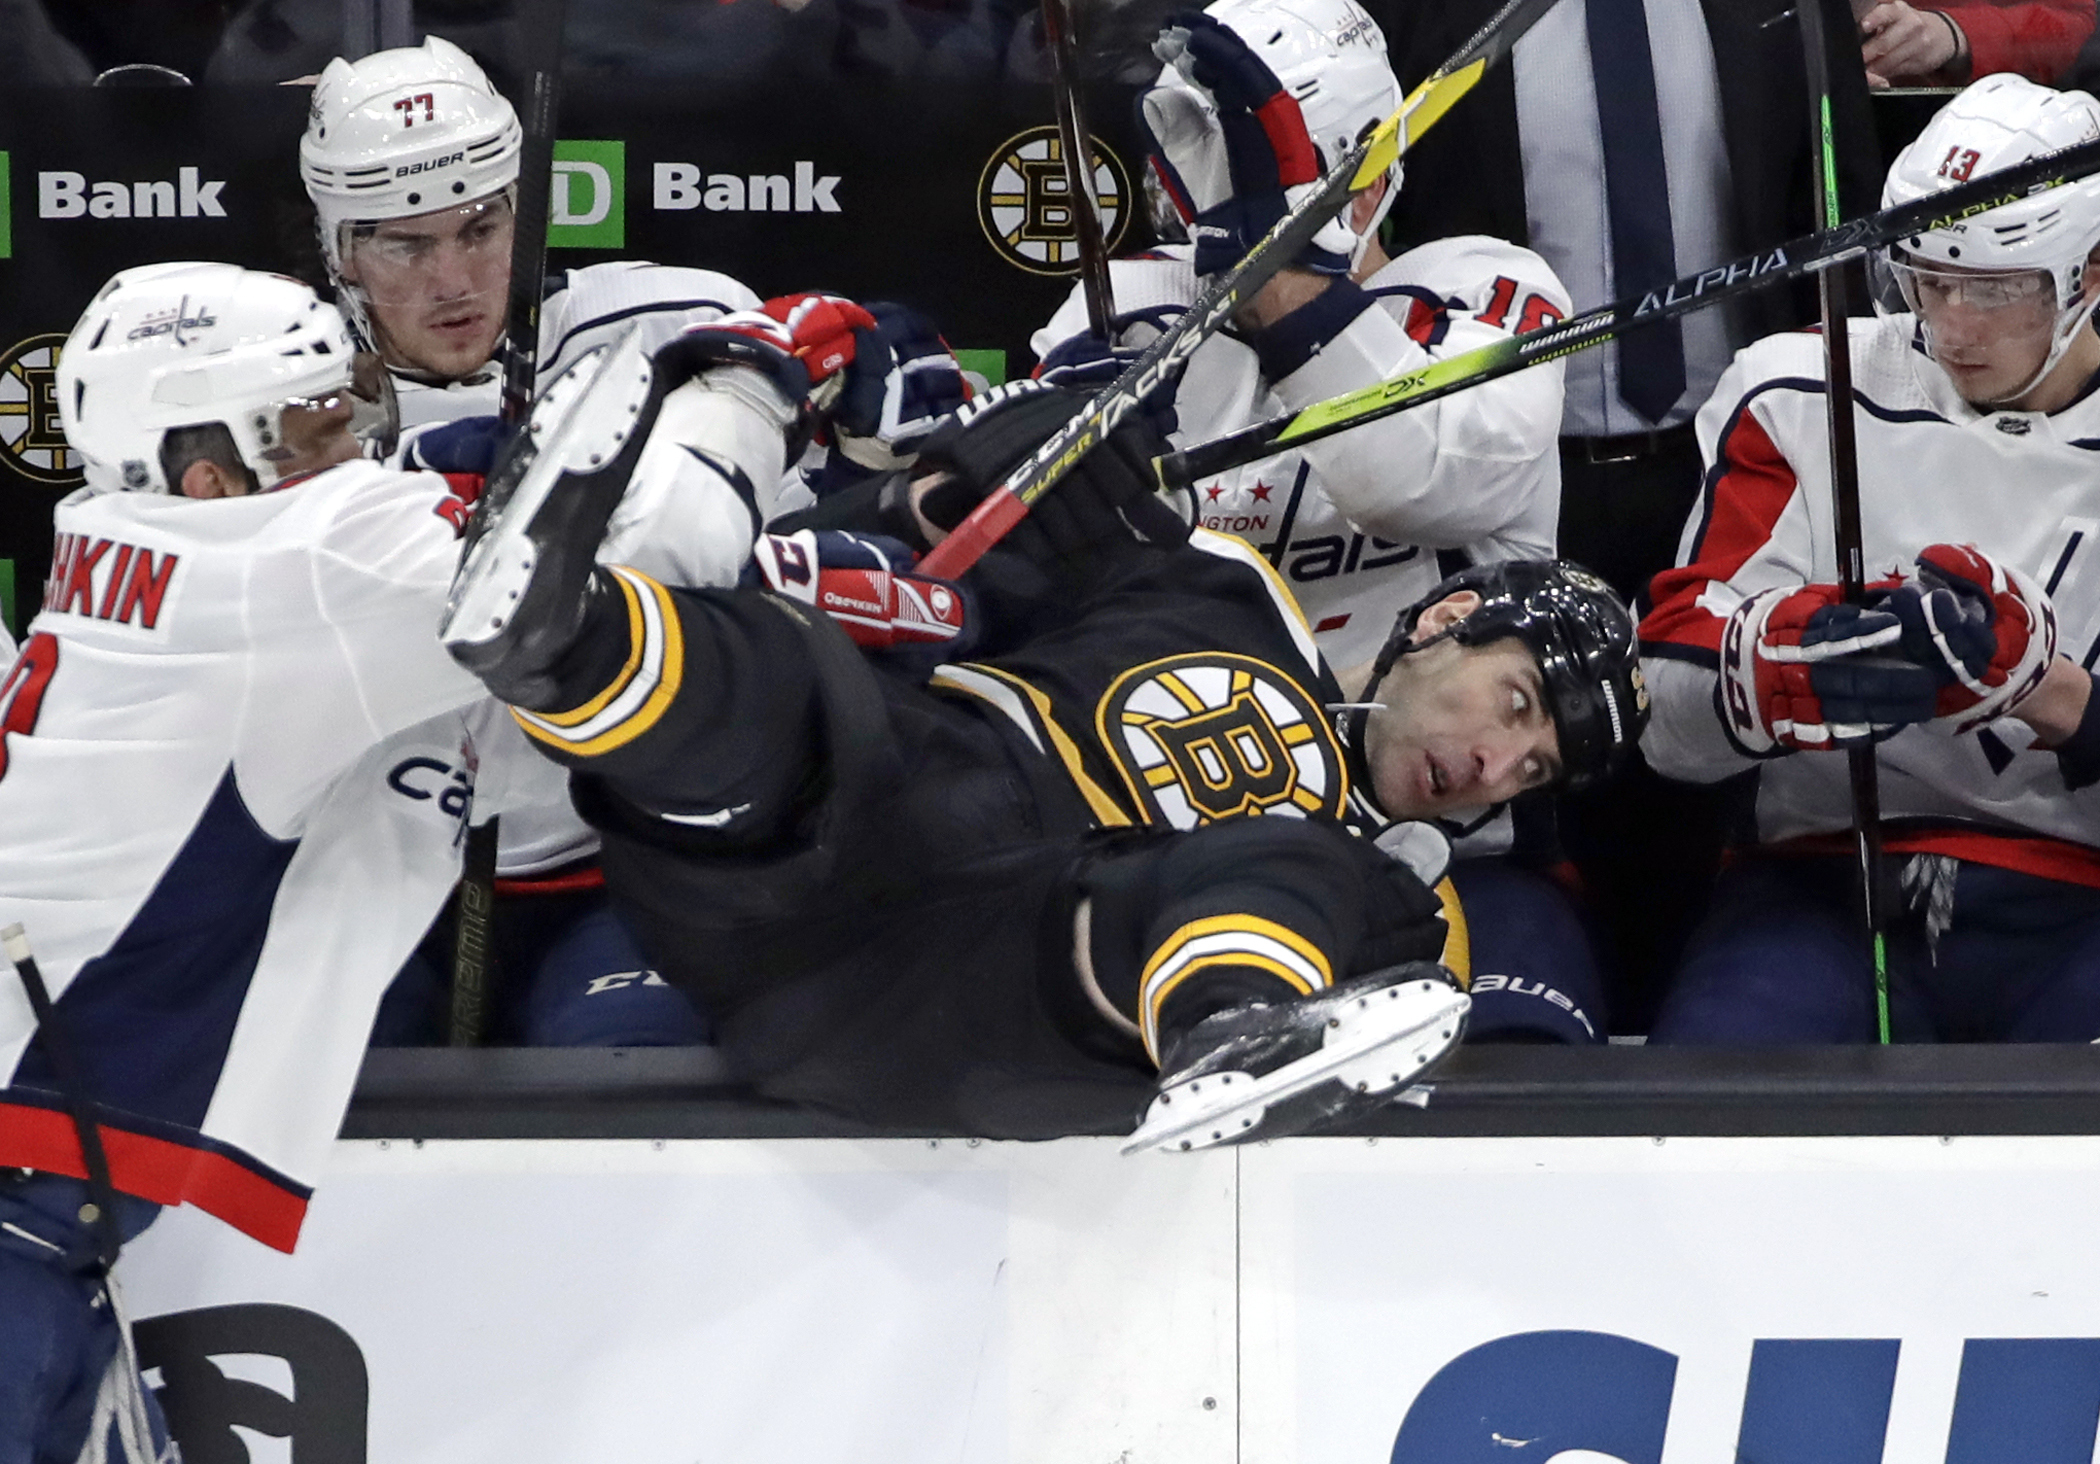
(1378,1043)
(580,422)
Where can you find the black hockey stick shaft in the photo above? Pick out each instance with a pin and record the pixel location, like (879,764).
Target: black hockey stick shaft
(72,1090)
(1077,145)
(1162,361)
(543,23)
(1761,270)
(473,935)
(1832,292)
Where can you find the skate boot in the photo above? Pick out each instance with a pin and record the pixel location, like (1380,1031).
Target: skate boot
(1265,1070)
(518,597)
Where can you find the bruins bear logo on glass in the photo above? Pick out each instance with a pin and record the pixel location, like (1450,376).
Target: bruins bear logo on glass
(1024,201)
(30,434)
(1205,737)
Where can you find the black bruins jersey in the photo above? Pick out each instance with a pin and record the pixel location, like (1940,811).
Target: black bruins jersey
(1188,692)
(868,881)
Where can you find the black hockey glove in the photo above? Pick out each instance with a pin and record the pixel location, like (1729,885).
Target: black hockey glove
(1110,496)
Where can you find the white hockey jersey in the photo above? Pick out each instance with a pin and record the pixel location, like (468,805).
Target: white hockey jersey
(682,522)
(1366,522)
(2022,486)
(235,770)
(589,309)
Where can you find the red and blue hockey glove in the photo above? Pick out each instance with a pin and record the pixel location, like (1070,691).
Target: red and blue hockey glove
(1985,631)
(466,447)
(901,381)
(804,342)
(1231,147)
(1803,670)
(864,583)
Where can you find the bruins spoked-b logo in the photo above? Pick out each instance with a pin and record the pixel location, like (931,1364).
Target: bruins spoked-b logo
(30,434)
(1209,736)
(1025,203)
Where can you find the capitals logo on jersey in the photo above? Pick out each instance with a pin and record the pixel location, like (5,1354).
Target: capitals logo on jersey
(1211,736)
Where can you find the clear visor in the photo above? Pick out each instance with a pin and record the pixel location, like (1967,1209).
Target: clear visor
(1930,290)
(304,434)
(451,254)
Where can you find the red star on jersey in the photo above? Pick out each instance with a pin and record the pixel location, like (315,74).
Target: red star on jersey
(1214,492)
(1261,491)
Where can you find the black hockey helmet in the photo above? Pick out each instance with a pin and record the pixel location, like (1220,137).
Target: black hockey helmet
(1583,637)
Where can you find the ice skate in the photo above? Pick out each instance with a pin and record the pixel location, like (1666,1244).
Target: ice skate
(533,542)
(1266,1070)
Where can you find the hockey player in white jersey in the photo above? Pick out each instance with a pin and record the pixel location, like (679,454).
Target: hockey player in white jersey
(1365,522)
(411,160)
(236,770)
(1357,524)
(1980,505)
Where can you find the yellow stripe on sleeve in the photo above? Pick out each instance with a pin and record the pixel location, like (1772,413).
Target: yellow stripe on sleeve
(643,691)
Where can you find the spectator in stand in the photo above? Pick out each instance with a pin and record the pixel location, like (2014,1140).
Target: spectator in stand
(1906,45)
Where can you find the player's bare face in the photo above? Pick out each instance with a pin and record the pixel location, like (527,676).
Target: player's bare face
(1989,330)
(437,284)
(1463,727)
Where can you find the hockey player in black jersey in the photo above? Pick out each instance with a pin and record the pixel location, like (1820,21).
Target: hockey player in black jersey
(1001,898)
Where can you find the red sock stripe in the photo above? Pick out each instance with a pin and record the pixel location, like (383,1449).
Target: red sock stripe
(1296,160)
(159,1170)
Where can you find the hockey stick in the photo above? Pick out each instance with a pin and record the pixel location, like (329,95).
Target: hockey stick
(1079,168)
(473,944)
(1162,361)
(65,1071)
(134,1428)
(1832,292)
(1812,253)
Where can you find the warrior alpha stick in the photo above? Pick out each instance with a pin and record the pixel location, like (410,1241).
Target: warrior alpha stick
(1163,360)
(1758,271)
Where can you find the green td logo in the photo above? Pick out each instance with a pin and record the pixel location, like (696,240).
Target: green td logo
(588,208)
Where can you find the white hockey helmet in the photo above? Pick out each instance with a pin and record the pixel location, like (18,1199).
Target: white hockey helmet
(1331,57)
(401,133)
(165,346)
(2040,242)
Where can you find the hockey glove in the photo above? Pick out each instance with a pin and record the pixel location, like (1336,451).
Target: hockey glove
(468,446)
(1086,361)
(1800,670)
(803,342)
(902,380)
(862,582)
(1110,495)
(1984,630)
(1231,147)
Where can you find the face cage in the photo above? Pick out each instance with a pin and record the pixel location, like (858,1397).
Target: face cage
(1893,284)
(268,441)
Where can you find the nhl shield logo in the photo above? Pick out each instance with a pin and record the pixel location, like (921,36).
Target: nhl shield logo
(30,434)
(1209,736)
(1025,204)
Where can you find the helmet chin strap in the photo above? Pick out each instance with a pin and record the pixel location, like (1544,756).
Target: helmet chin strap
(1368,234)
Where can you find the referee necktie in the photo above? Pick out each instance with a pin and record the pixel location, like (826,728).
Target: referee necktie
(1637,196)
